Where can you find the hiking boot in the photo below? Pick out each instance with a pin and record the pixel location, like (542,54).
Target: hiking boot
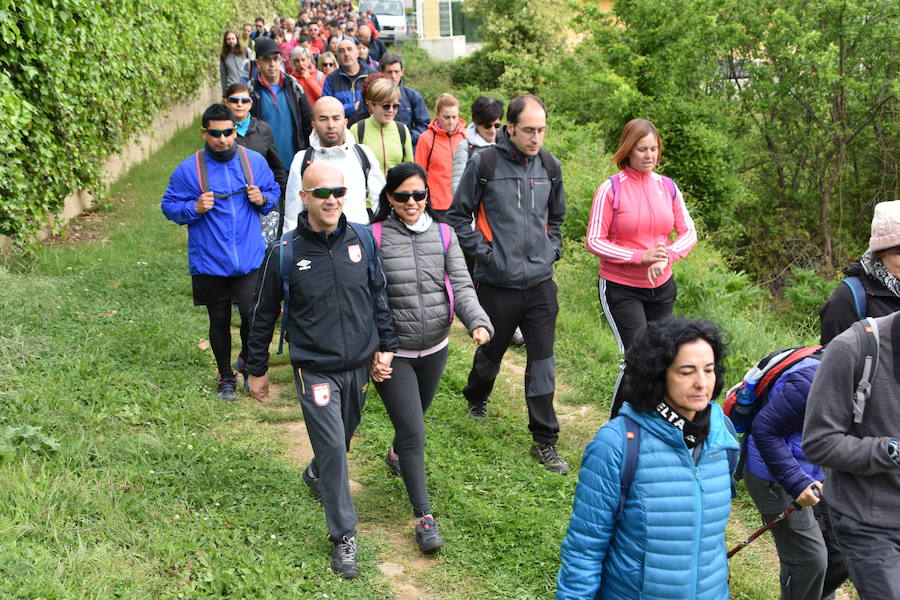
(393,461)
(312,481)
(240,365)
(427,535)
(225,385)
(343,558)
(546,455)
(478,410)
(518,339)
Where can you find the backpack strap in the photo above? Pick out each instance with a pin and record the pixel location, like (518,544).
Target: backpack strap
(401,130)
(734,458)
(285,259)
(860,300)
(629,463)
(360,131)
(307,160)
(377,227)
(365,164)
(430,150)
(670,185)
(614,183)
(245,165)
(368,243)
(202,173)
(550,166)
(444,231)
(866,365)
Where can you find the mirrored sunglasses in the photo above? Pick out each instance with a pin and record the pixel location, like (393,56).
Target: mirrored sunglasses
(323,193)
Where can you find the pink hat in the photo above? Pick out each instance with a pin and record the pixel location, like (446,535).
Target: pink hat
(885,226)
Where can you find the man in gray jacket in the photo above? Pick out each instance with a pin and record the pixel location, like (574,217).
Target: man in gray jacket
(861,456)
(514,191)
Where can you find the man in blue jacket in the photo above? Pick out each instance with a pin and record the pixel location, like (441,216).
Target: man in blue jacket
(413,111)
(225,246)
(339,327)
(346,82)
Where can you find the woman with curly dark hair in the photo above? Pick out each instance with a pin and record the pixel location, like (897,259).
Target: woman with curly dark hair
(663,536)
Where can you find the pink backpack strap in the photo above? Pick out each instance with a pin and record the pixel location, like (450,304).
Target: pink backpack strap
(444,231)
(376,232)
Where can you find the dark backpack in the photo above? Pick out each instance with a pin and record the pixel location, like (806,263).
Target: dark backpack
(401,129)
(286,259)
(203,174)
(360,154)
(488,165)
(633,448)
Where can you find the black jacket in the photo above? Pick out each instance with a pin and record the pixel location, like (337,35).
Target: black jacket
(259,138)
(298,104)
(839,312)
(331,317)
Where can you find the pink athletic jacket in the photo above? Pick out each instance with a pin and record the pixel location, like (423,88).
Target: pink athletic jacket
(646,214)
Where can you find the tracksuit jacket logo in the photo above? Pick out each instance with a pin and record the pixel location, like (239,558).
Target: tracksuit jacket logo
(304,265)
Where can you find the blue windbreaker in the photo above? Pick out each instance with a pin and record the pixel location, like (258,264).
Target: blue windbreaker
(225,241)
(670,542)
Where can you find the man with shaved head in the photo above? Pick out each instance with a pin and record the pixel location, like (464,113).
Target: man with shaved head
(331,142)
(338,325)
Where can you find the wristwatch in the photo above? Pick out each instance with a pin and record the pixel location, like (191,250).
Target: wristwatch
(893,450)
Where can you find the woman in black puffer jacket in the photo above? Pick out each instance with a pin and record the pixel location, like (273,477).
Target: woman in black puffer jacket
(872,285)
(427,282)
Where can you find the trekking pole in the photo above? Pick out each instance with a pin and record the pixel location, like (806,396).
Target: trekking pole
(781,517)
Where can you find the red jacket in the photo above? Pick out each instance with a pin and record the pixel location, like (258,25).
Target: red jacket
(434,151)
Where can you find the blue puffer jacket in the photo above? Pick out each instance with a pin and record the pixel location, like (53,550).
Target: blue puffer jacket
(774,451)
(670,542)
(226,240)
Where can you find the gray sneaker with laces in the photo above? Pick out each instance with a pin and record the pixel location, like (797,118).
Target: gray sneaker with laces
(343,558)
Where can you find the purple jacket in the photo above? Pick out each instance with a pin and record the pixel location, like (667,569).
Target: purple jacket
(774,450)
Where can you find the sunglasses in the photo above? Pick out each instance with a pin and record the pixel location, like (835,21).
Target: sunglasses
(219,132)
(386,107)
(494,125)
(239,99)
(403,197)
(328,65)
(323,193)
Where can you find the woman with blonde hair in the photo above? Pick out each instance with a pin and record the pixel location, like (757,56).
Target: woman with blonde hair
(436,148)
(388,138)
(327,63)
(630,229)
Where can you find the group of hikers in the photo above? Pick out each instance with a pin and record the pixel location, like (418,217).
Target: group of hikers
(366,225)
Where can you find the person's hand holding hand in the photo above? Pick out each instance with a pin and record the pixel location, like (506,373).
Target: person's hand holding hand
(381,369)
(481,336)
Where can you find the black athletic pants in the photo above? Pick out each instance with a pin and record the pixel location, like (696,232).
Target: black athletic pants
(534,311)
(628,310)
(220,333)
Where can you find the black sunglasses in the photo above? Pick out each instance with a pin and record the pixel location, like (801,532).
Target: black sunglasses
(494,125)
(328,64)
(386,107)
(323,193)
(239,99)
(219,132)
(403,197)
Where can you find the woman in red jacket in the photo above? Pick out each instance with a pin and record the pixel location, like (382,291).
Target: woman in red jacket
(435,150)
(630,229)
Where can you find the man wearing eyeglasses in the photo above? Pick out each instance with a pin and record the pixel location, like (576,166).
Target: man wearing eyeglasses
(514,192)
(331,143)
(279,100)
(339,325)
(225,246)
(413,110)
(345,84)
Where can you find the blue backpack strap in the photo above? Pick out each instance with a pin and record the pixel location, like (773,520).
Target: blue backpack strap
(733,456)
(285,259)
(629,464)
(670,185)
(859,295)
(368,244)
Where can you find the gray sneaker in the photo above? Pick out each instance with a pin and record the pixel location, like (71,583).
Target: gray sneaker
(427,535)
(546,455)
(478,410)
(343,558)
(312,481)
(226,386)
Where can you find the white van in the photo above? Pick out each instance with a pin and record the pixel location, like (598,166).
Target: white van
(391,18)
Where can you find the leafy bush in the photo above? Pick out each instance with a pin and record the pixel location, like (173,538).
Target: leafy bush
(78,78)
(806,292)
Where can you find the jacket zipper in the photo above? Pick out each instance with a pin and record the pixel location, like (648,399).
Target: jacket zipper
(418,285)
(337,299)
(698,511)
(231,202)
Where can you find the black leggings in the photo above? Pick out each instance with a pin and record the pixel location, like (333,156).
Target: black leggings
(407,396)
(220,333)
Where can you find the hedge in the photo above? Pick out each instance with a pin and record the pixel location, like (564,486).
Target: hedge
(79,77)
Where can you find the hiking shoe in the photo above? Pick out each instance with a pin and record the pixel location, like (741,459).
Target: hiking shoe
(546,455)
(478,410)
(427,535)
(225,385)
(343,558)
(393,461)
(240,365)
(313,483)
(518,339)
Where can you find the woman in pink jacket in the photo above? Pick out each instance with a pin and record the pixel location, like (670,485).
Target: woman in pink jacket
(630,229)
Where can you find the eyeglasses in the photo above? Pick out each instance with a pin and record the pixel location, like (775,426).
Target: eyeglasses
(324,64)
(219,132)
(271,58)
(403,197)
(387,107)
(239,99)
(323,193)
(532,131)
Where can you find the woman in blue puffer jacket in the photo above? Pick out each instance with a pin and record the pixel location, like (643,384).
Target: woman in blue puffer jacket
(668,543)
(778,473)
